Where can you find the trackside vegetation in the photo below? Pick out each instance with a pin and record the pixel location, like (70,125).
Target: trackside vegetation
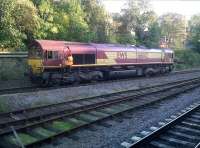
(21,21)
(186,59)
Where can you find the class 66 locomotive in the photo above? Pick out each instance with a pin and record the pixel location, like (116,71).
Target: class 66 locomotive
(58,62)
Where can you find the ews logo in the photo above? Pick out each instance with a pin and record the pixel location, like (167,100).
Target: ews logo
(122,55)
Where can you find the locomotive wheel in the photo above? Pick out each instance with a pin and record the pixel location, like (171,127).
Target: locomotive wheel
(149,72)
(95,78)
(44,83)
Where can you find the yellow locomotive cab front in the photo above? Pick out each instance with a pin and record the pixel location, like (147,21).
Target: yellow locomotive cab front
(35,65)
(35,61)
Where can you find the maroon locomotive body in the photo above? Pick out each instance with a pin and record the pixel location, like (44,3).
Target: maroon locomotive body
(60,60)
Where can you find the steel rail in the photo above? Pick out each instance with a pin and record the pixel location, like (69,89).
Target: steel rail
(89,109)
(134,94)
(89,98)
(147,140)
(92,107)
(34,88)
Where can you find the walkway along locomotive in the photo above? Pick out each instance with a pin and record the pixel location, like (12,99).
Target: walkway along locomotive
(60,61)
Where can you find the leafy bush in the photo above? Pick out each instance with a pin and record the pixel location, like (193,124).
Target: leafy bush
(187,59)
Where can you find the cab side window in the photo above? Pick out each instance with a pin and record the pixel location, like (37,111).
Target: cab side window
(49,54)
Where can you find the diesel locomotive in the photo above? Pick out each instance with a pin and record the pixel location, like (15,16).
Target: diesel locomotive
(62,62)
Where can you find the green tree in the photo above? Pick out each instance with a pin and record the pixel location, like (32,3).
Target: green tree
(194,33)
(77,28)
(173,27)
(45,12)
(135,20)
(10,36)
(63,20)
(122,35)
(26,18)
(153,36)
(100,23)
(18,22)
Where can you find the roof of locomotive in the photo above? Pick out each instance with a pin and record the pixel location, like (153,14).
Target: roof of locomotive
(75,47)
(78,47)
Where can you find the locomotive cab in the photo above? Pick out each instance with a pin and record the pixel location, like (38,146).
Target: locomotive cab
(45,61)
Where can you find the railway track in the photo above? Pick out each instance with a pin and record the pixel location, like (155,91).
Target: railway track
(33,126)
(35,88)
(181,131)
